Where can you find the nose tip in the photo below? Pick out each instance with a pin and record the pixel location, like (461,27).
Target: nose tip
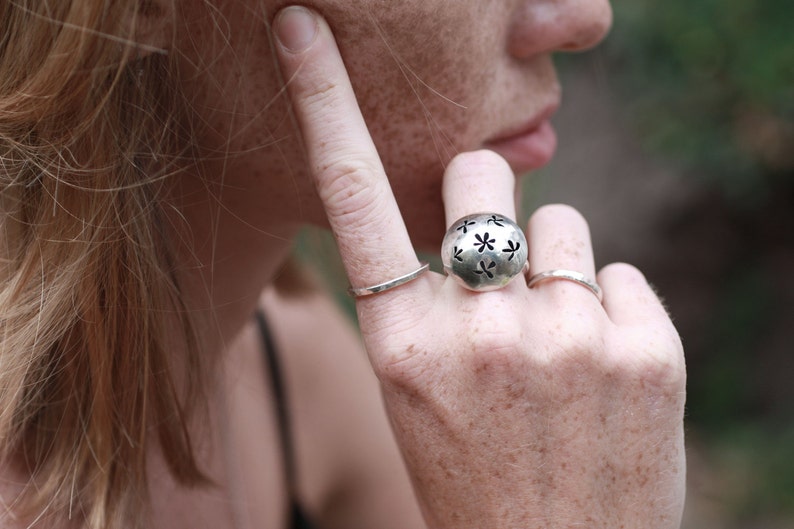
(541,26)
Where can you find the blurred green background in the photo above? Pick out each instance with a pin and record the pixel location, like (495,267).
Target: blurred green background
(677,143)
(711,84)
(707,88)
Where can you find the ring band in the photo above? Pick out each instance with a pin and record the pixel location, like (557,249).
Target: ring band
(568,275)
(388,285)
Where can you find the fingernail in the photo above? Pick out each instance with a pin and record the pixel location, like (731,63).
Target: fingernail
(296,28)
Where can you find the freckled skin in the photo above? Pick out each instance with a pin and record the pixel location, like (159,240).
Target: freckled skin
(513,408)
(432,77)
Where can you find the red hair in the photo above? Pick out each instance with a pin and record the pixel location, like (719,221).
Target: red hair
(88,294)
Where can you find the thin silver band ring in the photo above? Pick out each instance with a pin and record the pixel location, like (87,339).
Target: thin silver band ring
(568,275)
(388,285)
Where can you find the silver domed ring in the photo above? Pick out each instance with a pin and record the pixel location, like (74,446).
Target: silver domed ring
(484,251)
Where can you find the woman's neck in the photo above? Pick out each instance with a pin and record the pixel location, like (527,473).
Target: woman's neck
(230,244)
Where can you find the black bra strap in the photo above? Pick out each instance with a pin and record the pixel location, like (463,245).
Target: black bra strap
(275,375)
(298,518)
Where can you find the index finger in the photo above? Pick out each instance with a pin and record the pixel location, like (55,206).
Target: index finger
(344,162)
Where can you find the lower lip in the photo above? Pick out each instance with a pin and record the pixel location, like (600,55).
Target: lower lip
(529,151)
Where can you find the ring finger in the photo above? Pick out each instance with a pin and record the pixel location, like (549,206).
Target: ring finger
(559,239)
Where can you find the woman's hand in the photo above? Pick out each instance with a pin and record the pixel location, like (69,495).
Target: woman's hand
(517,408)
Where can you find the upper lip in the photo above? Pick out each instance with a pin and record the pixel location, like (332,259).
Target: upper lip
(525,127)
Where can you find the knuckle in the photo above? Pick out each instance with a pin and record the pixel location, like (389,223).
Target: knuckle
(576,340)
(655,361)
(494,342)
(318,96)
(402,353)
(571,367)
(575,336)
(413,370)
(402,369)
(486,347)
(496,345)
(346,188)
(664,372)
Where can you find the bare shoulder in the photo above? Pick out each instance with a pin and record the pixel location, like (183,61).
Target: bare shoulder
(320,349)
(303,322)
(344,445)
(324,362)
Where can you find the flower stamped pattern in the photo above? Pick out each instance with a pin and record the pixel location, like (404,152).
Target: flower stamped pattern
(512,248)
(465,226)
(482,268)
(495,220)
(484,242)
(484,251)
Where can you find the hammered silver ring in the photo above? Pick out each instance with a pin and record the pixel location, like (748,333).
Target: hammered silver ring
(484,251)
(567,275)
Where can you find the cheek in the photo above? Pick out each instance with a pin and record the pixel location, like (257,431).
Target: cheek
(421,85)
(227,71)
(419,72)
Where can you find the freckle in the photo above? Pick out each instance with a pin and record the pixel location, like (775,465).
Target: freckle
(443,466)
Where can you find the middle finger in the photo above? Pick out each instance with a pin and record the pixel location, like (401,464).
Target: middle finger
(478,182)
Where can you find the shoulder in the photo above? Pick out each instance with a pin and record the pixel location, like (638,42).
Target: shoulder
(309,318)
(343,441)
(321,352)
(320,356)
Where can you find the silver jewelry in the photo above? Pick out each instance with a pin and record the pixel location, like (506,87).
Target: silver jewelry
(388,285)
(568,275)
(484,251)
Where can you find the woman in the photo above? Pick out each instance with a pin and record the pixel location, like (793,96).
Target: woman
(158,158)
